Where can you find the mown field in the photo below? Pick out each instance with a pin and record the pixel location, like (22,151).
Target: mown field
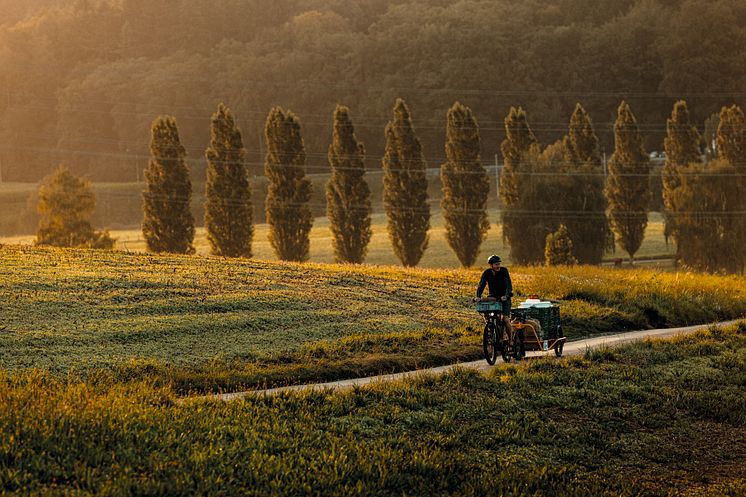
(209,324)
(658,418)
(437,255)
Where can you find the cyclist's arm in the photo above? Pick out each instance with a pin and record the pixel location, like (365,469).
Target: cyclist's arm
(482,284)
(509,285)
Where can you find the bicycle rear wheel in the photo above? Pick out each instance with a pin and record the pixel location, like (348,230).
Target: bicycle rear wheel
(506,351)
(519,346)
(489,343)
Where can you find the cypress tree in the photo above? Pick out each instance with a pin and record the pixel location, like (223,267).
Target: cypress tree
(405,188)
(583,208)
(682,148)
(559,248)
(66,204)
(465,186)
(228,209)
(731,138)
(289,190)
(707,219)
(709,203)
(168,224)
(518,141)
(731,145)
(520,190)
(628,186)
(347,193)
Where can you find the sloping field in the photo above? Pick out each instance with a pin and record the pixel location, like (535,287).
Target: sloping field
(658,418)
(209,324)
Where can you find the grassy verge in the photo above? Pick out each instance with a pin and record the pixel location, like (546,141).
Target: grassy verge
(207,324)
(657,418)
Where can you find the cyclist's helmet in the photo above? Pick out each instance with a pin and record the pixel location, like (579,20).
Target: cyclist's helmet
(494,259)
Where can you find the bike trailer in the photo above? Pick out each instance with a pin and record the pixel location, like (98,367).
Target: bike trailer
(546,313)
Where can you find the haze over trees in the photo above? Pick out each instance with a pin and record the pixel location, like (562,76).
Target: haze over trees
(168,224)
(82,80)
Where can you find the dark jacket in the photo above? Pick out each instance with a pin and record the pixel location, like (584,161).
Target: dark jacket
(499,284)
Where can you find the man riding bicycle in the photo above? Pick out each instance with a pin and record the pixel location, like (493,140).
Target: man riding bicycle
(497,280)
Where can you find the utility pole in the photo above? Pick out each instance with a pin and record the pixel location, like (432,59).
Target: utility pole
(497,177)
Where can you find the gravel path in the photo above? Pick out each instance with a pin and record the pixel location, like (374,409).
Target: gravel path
(571,348)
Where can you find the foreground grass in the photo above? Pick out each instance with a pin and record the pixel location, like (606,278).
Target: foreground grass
(656,418)
(211,324)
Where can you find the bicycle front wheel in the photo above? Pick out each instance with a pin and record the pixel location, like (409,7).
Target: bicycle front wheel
(489,343)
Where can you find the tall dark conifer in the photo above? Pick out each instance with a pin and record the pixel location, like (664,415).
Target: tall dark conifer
(583,209)
(347,193)
(731,145)
(168,224)
(731,139)
(465,186)
(628,185)
(709,203)
(707,218)
(681,144)
(228,209)
(289,190)
(405,188)
(519,189)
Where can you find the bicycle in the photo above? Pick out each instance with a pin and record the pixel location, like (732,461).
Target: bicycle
(497,338)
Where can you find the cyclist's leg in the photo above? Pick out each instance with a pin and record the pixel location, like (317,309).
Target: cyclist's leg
(506,317)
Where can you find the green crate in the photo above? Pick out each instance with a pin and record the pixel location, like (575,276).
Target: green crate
(548,317)
(489,306)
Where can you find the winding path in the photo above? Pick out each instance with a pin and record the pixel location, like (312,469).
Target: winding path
(571,348)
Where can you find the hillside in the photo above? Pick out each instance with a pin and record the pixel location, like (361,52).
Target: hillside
(206,323)
(83,80)
(658,418)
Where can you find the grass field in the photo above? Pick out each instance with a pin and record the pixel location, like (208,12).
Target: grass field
(208,324)
(438,254)
(654,419)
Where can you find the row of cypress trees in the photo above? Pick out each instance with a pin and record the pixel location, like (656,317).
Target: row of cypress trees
(168,224)
(562,190)
(704,201)
(560,206)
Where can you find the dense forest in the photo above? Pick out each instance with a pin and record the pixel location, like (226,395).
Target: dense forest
(81,81)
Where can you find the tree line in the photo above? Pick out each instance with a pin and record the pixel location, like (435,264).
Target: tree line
(558,204)
(81,81)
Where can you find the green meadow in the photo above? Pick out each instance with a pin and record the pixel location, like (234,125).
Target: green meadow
(657,418)
(202,323)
